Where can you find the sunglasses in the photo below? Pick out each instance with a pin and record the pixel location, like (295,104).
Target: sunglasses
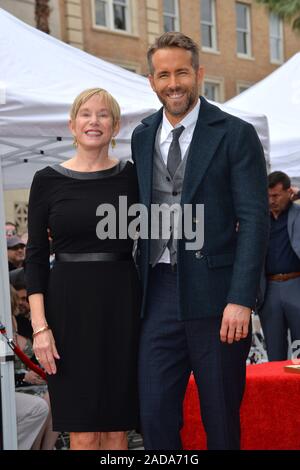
(11,233)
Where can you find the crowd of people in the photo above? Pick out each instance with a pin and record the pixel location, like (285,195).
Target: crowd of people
(135,328)
(34,419)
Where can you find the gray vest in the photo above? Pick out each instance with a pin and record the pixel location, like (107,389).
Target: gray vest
(165,190)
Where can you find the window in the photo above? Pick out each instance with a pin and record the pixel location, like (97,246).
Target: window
(242,86)
(212,90)
(171,15)
(112,14)
(276,39)
(243,29)
(208,24)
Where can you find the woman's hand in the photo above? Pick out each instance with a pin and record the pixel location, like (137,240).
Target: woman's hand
(45,351)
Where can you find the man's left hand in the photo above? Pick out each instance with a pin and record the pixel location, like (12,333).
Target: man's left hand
(295,193)
(235,323)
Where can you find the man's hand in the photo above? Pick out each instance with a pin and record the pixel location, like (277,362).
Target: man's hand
(32,377)
(295,193)
(235,323)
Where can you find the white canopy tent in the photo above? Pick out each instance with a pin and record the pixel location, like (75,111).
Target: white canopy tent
(39,79)
(278,97)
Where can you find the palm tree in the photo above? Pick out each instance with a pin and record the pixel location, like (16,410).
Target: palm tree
(42,13)
(286,9)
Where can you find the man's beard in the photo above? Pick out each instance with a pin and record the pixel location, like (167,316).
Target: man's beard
(184,108)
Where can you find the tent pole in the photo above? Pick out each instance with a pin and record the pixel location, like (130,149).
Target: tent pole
(8,401)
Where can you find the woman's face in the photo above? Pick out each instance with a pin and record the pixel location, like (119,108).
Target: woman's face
(93,125)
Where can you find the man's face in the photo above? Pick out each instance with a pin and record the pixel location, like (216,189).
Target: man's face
(279,198)
(23,304)
(16,255)
(10,230)
(175,81)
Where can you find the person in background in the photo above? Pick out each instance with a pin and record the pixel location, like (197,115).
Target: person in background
(280,310)
(32,412)
(10,229)
(15,252)
(17,280)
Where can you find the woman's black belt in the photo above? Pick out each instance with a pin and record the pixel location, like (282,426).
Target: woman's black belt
(78,257)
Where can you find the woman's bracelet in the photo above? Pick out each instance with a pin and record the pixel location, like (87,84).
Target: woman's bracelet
(40,330)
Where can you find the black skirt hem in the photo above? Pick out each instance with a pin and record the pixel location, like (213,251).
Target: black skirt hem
(73,427)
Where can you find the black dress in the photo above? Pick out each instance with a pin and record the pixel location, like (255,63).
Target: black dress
(92,307)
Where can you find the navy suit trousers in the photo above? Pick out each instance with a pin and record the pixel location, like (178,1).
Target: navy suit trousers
(169,350)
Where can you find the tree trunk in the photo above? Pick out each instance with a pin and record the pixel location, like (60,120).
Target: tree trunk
(42,13)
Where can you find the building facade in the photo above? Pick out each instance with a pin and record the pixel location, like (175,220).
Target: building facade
(240,41)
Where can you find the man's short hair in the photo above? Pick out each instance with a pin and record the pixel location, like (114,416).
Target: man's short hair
(174,39)
(277,177)
(17,278)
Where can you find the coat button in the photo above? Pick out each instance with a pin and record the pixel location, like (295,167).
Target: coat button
(199,255)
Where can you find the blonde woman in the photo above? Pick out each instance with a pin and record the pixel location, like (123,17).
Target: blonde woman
(85,311)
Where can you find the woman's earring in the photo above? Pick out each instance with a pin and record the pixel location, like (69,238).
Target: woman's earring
(113,143)
(75,143)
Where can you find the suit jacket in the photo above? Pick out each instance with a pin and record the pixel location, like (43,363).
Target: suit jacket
(225,171)
(293,226)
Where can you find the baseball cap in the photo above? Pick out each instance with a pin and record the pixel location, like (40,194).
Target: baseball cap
(14,241)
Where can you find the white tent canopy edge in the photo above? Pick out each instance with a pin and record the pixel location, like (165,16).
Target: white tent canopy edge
(278,97)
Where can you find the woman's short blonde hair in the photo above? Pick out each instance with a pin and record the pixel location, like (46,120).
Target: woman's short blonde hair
(110,101)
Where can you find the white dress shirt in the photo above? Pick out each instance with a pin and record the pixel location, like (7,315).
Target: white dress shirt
(165,139)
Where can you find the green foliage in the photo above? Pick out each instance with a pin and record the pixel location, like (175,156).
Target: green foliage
(286,9)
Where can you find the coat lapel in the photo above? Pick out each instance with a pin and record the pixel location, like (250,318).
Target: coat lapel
(205,142)
(145,143)
(206,139)
(293,228)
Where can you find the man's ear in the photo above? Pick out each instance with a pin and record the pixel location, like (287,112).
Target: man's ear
(151,80)
(201,73)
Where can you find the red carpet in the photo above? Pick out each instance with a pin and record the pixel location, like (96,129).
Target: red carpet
(270,413)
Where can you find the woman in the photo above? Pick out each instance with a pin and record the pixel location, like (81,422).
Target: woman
(85,310)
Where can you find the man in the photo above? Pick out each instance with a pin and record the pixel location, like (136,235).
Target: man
(10,229)
(15,252)
(32,413)
(197,304)
(281,307)
(22,313)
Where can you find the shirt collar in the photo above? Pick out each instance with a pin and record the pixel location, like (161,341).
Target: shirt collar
(189,122)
